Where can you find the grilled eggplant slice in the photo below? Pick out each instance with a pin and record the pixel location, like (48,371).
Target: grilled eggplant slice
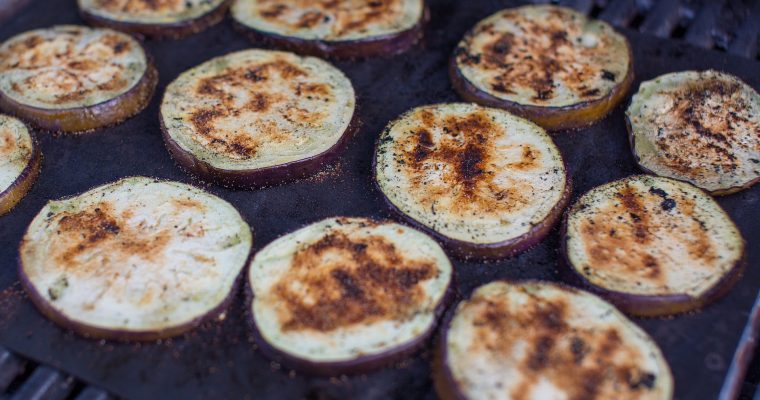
(653,245)
(73,78)
(346,295)
(485,183)
(258,117)
(540,340)
(699,127)
(137,259)
(330,28)
(159,19)
(19,162)
(549,64)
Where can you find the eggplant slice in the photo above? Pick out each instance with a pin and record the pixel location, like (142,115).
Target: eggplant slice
(549,64)
(541,340)
(699,127)
(258,117)
(347,295)
(653,245)
(485,183)
(137,259)
(333,28)
(158,19)
(19,162)
(101,78)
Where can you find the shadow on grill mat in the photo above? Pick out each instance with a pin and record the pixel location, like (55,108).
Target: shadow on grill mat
(219,360)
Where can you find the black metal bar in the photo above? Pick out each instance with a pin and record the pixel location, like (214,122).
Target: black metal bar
(701,30)
(11,366)
(619,12)
(745,42)
(45,383)
(93,393)
(583,6)
(662,19)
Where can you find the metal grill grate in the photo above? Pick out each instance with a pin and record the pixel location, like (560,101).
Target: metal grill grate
(21,379)
(732,26)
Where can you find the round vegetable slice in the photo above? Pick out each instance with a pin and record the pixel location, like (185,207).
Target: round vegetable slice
(652,245)
(19,162)
(700,127)
(347,295)
(541,340)
(342,28)
(549,64)
(166,18)
(485,183)
(258,117)
(73,78)
(137,259)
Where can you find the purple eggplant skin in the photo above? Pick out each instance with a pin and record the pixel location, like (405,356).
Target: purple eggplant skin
(175,30)
(574,116)
(467,251)
(121,335)
(85,119)
(248,179)
(359,365)
(720,192)
(643,305)
(18,189)
(386,45)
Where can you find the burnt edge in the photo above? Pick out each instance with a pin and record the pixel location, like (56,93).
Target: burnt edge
(383,45)
(468,251)
(574,116)
(361,364)
(11,196)
(121,335)
(174,30)
(258,177)
(718,192)
(649,305)
(87,119)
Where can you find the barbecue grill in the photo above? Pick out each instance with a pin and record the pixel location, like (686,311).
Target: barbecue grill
(48,363)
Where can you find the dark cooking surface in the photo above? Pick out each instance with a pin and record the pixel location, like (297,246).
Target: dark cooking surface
(218,360)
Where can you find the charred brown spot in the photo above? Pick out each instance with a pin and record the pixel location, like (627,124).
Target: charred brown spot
(576,359)
(141,6)
(310,19)
(99,229)
(350,281)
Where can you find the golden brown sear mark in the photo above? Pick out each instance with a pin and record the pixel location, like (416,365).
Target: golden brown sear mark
(466,151)
(549,55)
(633,236)
(344,16)
(138,6)
(262,94)
(346,281)
(585,364)
(698,140)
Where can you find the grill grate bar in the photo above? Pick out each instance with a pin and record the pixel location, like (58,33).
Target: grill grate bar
(93,393)
(746,42)
(584,6)
(702,30)
(45,383)
(11,366)
(663,18)
(620,12)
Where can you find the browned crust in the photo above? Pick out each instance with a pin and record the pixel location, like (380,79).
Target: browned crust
(93,332)
(174,30)
(489,251)
(574,116)
(84,119)
(357,365)
(649,305)
(386,45)
(18,189)
(252,178)
(719,192)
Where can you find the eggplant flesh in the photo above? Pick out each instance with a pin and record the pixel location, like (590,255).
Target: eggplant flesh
(19,162)
(453,171)
(652,245)
(347,295)
(545,340)
(137,259)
